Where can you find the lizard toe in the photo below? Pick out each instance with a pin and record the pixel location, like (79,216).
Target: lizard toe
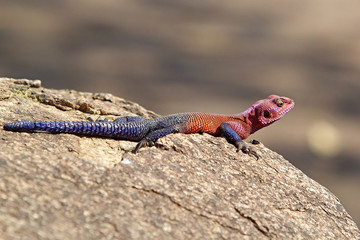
(143,142)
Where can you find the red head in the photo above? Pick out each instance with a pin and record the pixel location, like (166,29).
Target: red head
(266,111)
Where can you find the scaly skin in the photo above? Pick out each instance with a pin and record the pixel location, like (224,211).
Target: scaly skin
(234,128)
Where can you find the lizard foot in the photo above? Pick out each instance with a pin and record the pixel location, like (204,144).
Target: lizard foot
(245,148)
(143,142)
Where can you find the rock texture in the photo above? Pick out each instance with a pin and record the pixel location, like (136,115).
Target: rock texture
(59,186)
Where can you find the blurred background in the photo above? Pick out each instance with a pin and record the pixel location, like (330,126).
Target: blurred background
(209,56)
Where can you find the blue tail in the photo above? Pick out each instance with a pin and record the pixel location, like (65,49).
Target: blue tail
(127,130)
(22,126)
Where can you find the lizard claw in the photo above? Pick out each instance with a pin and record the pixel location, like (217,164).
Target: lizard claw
(140,144)
(253,153)
(255,142)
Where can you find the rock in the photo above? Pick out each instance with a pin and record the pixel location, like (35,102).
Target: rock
(62,186)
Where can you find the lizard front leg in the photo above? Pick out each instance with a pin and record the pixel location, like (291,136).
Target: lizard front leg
(234,138)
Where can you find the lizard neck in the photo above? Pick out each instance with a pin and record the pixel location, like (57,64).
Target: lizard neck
(251,119)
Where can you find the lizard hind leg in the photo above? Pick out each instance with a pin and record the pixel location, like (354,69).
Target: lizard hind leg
(153,136)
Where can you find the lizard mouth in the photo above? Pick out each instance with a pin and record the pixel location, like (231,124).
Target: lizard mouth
(288,103)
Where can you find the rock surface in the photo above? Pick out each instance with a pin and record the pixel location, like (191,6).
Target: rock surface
(61,186)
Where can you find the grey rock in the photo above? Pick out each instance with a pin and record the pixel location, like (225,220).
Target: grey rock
(61,186)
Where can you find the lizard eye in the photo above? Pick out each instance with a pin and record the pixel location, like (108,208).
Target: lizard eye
(266,114)
(279,102)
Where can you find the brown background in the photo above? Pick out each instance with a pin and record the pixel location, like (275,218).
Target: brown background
(211,56)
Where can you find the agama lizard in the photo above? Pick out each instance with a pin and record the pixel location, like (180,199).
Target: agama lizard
(235,128)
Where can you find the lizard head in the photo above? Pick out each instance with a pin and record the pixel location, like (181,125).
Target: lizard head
(272,109)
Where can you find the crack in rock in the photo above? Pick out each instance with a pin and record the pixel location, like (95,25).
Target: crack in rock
(263,229)
(189,209)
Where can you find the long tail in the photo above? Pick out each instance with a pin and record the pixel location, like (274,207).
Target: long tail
(98,128)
